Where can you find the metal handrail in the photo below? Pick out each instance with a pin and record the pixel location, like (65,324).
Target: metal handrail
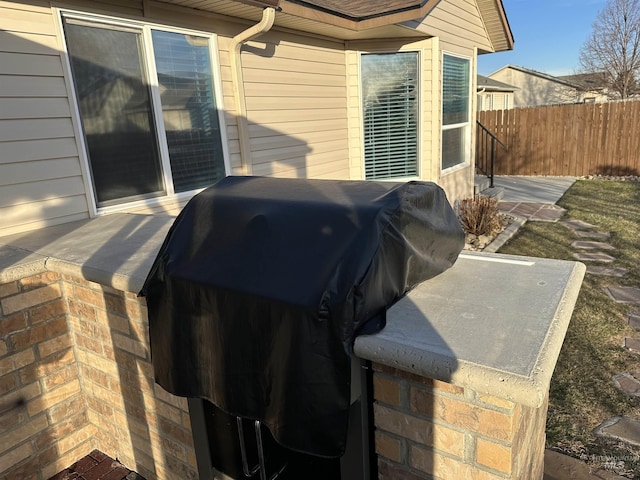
(484,135)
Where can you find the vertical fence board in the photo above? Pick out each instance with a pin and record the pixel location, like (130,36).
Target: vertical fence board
(580,139)
(633,152)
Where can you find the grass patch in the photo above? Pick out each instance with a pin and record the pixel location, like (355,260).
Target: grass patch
(582,393)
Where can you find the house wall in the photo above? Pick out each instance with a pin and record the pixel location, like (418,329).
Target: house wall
(495,101)
(303,112)
(295,94)
(296,107)
(41,179)
(534,90)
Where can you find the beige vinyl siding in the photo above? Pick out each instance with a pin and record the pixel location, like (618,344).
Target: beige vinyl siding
(458,25)
(125,8)
(296,99)
(40,175)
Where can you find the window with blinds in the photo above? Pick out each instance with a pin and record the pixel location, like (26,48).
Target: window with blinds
(147,106)
(189,109)
(455,111)
(390,114)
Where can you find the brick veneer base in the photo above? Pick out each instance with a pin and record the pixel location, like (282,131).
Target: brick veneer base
(426,428)
(75,375)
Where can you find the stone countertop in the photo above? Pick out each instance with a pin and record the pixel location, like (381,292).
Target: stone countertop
(114,250)
(493,323)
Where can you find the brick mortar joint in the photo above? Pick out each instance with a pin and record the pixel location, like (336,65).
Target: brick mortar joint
(424,417)
(469,398)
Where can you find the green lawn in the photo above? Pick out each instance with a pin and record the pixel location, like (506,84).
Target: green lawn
(582,393)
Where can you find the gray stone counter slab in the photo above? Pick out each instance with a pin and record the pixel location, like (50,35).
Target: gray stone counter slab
(494,323)
(115,250)
(17,263)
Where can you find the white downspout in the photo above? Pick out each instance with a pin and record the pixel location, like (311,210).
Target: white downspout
(268,17)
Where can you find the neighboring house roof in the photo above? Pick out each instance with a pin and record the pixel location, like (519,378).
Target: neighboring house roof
(535,73)
(587,81)
(486,83)
(356,19)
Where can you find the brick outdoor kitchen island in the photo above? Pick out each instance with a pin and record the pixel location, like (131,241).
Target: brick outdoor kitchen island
(462,369)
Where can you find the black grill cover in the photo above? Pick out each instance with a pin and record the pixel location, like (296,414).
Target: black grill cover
(262,285)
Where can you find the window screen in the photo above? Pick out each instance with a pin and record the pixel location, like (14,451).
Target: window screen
(390,111)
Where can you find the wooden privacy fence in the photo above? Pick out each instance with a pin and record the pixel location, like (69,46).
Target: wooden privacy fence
(574,140)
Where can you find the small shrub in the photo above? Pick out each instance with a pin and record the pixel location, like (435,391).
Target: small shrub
(479,215)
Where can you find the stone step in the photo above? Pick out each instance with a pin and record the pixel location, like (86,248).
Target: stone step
(605,271)
(495,192)
(632,344)
(625,429)
(591,245)
(624,294)
(577,225)
(594,235)
(594,257)
(629,383)
(480,183)
(558,466)
(634,320)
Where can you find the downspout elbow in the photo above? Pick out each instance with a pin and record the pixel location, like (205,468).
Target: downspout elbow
(268,18)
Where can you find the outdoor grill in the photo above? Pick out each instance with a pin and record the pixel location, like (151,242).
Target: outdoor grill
(255,300)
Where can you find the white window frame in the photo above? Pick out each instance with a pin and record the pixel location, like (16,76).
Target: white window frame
(467,125)
(156,105)
(418,123)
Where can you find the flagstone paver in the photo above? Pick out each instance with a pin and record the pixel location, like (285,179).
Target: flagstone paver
(591,245)
(628,383)
(621,428)
(625,429)
(624,294)
(632,344)
(577,225)
(594,257)
(605,271)
(594,235)
(558,466)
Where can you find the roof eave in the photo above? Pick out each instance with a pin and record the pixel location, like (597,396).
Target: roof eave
(355,24)
(496,24)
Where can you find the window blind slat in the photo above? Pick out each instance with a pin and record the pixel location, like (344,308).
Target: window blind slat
(390,86)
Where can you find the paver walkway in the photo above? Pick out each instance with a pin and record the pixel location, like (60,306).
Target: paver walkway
(533,203)
(541,212)
(624,429)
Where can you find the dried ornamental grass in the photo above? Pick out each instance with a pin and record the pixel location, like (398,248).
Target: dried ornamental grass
(479,215)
